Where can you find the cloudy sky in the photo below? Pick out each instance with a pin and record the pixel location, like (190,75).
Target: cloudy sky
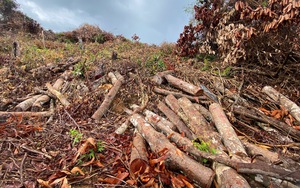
(154,21)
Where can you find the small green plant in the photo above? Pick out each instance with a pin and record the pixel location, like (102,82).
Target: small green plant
(204,146)
(206,66)
(76,136)
(227,72)
(80,69)
(99,38)
(100,146)
(155,64)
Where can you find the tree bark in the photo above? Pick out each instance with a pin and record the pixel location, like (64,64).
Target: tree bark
(174,157)
(28,114)
(172,102)
(199,126)
(59,95)
(270,170)
(256,115)
(262,154)
(25,105)
(229,137)
(108,99)
(227,177)
(187,145)
(204,112)
(138,158)
(37,105)
(284,101)
(159,79)
(201,99)
(185,86)
(172,116)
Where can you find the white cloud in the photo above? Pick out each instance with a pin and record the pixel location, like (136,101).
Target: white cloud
(154,21)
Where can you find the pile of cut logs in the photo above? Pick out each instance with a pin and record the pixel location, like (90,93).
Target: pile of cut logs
(186,121)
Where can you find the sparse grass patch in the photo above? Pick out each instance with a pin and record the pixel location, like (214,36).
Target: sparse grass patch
(76,136)
(155,63)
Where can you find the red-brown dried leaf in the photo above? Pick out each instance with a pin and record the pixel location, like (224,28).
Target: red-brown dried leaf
(176,182)
(77,170)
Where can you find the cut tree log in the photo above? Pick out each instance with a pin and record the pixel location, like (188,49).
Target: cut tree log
(109,97)
(260,153)
(256,115)
(37,105)
(138,158)
(284,101)
(112,77)
(175,159)
(199,125)
(201,99)
(195,118)
(185,86)
(25,105)
(203,111)
(28,114)
(172,102)
(159,77)
(271,170)
(59,95)
(226,176)
(175,119)
(229,137)
(187,145)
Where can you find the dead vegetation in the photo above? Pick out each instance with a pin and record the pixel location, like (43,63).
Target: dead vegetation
(115,112)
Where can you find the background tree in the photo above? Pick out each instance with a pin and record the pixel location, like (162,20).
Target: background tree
(7,7)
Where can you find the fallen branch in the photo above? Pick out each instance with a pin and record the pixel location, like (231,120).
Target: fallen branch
(229,137)
(59,95)
(137,109)
(159,77)
(284,101)
(175,119)
(185,86)
(236,97)
(174,157)
(201,99)
(37,105)
(25,105)
(138,158)
(261,153)
(109,97)
(271,170)
(226,176)
(28,114)
(256,115)
(203,111)
(36,151)
(187,145)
